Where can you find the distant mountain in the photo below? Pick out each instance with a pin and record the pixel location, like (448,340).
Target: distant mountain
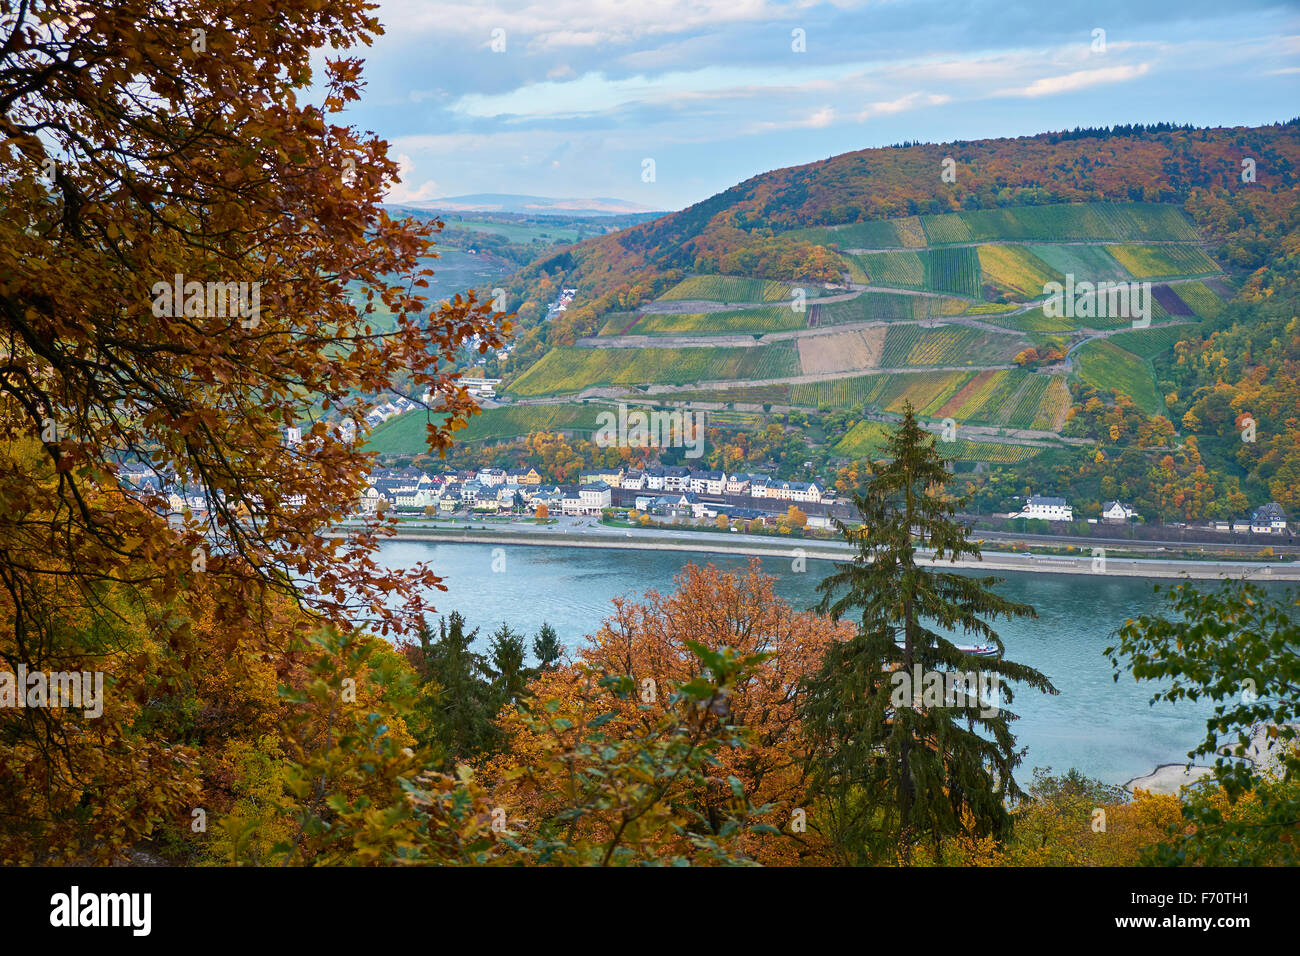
(531,205)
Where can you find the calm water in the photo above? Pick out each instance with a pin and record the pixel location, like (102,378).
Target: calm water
(1105,729)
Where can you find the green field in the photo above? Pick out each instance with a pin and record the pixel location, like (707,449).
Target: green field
(927,391)
(912,345)
(863,440)
(776,318)
(1164,262)
(1200,298)
(1014,269)
(570,369)
(956,271)
(1085,263)
(1106,366)
(876,234)
(1115,222)
(405,434)
(886,307)
(733,289)
(1148,343)
(902,270)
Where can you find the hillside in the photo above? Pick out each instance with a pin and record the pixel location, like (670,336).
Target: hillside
(853,286)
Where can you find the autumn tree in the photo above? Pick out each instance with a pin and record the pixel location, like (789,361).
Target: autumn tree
(897,768)
(1234,646)
(194,260)
(650,643)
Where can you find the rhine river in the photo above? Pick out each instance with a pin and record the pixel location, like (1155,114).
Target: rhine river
(1105,729)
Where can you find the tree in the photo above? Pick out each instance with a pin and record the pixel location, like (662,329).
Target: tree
(543,511)
(897,766)
(506,666)
(546,648)
(654,643)
(194,259)
(458,700)
(1235,646)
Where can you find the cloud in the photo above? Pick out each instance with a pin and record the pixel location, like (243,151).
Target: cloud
(1078,80)
(909,101)
(403,191)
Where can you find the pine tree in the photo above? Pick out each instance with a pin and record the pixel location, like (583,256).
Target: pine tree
(898,766)
(461,709)
(506,667)
(546,648)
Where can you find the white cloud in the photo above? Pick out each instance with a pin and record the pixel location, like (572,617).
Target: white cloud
(903,104)
(1078,80)
(404,191)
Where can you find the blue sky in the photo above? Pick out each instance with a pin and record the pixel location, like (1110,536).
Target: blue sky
(577,94)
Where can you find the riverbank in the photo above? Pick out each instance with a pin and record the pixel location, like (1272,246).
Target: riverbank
(595,536)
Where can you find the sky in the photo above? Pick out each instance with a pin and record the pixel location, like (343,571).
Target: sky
(667,102)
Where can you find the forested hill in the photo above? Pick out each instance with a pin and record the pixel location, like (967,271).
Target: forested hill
(746,229)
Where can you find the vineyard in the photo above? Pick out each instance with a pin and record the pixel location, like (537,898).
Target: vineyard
(406,434)
(568,369)
(776,318)
(1200,298)
(1148,343)
(1053,405)
(1015,269)
(1106,366)
(912,345)
(863,440)
(1002,453)
(927,391)
(886,307)
(1115,222)
(730,289)
(956,271)
(1085,263)
(902,270)
(1164,262)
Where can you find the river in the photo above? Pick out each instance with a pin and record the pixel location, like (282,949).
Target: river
(1105,729)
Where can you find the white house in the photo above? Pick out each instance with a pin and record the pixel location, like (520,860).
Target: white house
(1117,511)
(1268,519)
(570,502)
(491,477)
(1048,509)
(708,482)
(594,497)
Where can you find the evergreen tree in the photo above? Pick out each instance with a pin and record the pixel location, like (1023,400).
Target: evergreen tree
(546,648)
(461,705)
(506,667)
(898,766)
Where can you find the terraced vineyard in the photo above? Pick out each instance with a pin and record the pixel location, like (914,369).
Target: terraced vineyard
(956,271)
(1016,269)
(729,289)
(863,440)
(1106,366)
(1107,222)
(885,307)
(776,318)
(1164,262)
(927,391)
(902,270)
(406,434)
(1148,343)
(878,234)
(943,267)
(567,369)
(912,345)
